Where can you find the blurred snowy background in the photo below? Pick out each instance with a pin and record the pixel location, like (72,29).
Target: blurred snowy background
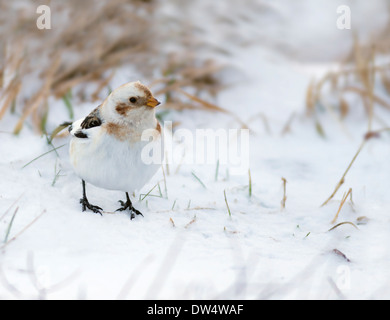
(312,95)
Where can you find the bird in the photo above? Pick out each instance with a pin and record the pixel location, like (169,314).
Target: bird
(107,146)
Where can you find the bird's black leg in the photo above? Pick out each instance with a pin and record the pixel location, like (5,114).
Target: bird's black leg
(129,205)
(85,203)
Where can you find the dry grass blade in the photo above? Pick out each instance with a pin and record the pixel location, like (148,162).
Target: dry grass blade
(190,223)
(310,98)
(211,107)
(366,94)
(205,104)
(57,130)
(341,182)
(344,108)
(93,55)
(6,211)
(284,199)
(264,119)
(84,56)
(23,230)
(385,81)
(11,93)
(38,98)
(343,200)
(287,127)
(104,83)
(343,223)
(356,75)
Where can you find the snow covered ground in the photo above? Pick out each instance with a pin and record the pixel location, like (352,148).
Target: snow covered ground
(188,246)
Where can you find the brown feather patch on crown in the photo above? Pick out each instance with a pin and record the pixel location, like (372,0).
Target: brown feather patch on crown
(143,88)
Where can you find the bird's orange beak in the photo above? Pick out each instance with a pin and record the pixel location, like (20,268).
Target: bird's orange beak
(152,102)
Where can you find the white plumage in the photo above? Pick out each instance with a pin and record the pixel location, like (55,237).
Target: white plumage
(107,147)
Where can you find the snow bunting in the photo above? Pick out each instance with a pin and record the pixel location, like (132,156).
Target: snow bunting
(106,146)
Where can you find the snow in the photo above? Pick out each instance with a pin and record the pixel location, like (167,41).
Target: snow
(187,246)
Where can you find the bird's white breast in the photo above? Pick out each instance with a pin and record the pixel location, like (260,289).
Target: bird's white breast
(109,163)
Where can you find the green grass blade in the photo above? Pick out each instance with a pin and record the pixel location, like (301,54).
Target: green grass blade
(54,149)
(227,204)
(66,98)
(200,181)
(10,225)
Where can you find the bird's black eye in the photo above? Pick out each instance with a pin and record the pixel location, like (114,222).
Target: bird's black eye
(133,99)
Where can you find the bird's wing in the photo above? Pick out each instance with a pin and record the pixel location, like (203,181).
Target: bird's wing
(81,128)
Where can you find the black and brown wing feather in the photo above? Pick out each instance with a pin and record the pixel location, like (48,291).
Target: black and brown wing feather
(92,120)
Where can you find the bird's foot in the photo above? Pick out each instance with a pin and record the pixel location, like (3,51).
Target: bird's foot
(85,204)
(129,205)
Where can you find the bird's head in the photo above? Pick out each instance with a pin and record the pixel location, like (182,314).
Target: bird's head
(131,101)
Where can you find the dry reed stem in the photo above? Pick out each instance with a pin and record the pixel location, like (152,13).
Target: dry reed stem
(287,127)
(263,118)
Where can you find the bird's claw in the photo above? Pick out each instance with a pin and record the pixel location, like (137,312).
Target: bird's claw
(124,206)
(129,205)
(85,204)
